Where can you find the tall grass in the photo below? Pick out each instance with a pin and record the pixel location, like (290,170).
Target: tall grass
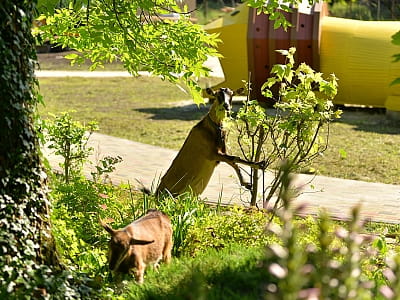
(183,211)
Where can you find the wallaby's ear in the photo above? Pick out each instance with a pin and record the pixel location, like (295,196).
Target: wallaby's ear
(239,91)
(210,92)
(140,242)
(107,227)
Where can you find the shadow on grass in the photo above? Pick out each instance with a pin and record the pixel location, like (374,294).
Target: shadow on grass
(244,282)
(370,120)
(187,113)
(363,119)
(228,275)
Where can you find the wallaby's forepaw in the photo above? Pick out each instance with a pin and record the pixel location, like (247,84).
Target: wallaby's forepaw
(261,165)
(247,185)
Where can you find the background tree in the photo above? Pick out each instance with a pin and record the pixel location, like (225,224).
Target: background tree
(137,34)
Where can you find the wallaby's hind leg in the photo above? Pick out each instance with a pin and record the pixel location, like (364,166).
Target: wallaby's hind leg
(167,251)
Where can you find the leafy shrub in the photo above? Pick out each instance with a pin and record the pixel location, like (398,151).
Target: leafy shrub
(217,230)
(293,130)
(183,211)
(69,139)
(82,202)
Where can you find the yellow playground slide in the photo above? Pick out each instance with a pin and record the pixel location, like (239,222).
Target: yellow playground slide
(359,53)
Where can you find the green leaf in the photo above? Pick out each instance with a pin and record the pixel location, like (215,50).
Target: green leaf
(396,81)
(71,56)
(396,38)
(342,153)
(279,70)
(396,57)
(267,94)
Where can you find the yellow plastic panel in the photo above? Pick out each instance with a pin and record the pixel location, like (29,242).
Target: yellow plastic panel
(233,33)
(238,16)
(360,54)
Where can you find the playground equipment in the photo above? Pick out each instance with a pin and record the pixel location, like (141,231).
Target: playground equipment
(359,53)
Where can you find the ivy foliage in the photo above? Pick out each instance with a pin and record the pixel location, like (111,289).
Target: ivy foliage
(29,266)
(24,239)
(137,34)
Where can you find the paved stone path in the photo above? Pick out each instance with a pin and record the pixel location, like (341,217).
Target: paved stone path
(379,202)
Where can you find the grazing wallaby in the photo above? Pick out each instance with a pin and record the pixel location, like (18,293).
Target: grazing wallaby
(147,240)
(202,150)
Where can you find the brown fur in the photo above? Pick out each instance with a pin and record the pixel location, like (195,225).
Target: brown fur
(147,240)
(201,152)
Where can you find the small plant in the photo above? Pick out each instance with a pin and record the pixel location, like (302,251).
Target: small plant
(84,201)
(293,129)
(69,139)
(105,166)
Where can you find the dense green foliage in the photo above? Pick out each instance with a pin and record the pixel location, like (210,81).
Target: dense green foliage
(106,31)
(222,228)
(377,10)
(24,234)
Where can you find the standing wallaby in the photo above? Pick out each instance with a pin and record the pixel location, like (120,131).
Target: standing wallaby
(203,149)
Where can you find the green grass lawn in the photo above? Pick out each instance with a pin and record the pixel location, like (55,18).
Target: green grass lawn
(364,144)
(232,273)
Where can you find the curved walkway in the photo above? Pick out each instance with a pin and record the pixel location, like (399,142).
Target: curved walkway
(146,163)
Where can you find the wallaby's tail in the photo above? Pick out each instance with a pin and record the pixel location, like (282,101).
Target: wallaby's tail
(142,188)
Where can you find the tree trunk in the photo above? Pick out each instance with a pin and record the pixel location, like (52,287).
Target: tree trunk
(255,173)
(25,237)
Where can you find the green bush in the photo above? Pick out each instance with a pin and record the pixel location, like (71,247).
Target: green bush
(292,131)
(222,228)
(82,202)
